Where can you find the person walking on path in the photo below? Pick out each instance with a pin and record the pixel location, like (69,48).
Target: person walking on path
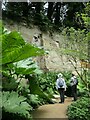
(74,83)
(61,86)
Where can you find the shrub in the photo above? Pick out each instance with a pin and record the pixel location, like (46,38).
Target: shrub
(47,82)
(34,100)
(79,110)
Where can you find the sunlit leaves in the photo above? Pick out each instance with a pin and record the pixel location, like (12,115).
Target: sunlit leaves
(76,43)
(15,49)
(26,66)
(86,19)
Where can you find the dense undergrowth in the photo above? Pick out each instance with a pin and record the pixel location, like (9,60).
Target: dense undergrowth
(18,97)
(79,110)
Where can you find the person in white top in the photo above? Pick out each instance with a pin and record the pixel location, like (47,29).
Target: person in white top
(61,86)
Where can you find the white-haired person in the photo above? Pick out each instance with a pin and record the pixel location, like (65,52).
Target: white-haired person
(61,87)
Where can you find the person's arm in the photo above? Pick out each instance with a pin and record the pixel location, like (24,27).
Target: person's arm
(65,85)
(72,81)
(57,84)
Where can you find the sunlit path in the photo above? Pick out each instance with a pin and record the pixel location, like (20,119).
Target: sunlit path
(56,110)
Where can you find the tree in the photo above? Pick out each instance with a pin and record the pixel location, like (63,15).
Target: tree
(50,10)
(72,9)
(57,14)
(78,48)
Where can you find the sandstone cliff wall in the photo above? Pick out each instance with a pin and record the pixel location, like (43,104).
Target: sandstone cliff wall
(54,61)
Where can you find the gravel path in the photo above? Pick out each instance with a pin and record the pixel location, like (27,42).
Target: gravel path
(55,111)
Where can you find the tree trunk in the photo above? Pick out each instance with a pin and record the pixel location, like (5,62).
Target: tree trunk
(39,7)
(25,8)
(0,10)
(57,16)
(50,10)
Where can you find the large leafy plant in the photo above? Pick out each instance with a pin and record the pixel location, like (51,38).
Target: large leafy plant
(26,66)
(13,103)
(37,90)
(15,49)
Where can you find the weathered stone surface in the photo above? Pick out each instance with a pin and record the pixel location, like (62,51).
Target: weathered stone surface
(54,60)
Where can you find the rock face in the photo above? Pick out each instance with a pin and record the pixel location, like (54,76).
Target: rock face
(54,60)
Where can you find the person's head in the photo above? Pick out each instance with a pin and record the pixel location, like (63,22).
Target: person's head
(73,75)
(60,75)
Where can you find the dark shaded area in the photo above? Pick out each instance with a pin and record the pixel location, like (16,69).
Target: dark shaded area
(68,92)
(12,116)
(55,16)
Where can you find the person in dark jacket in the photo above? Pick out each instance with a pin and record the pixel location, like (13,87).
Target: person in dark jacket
(74,83)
